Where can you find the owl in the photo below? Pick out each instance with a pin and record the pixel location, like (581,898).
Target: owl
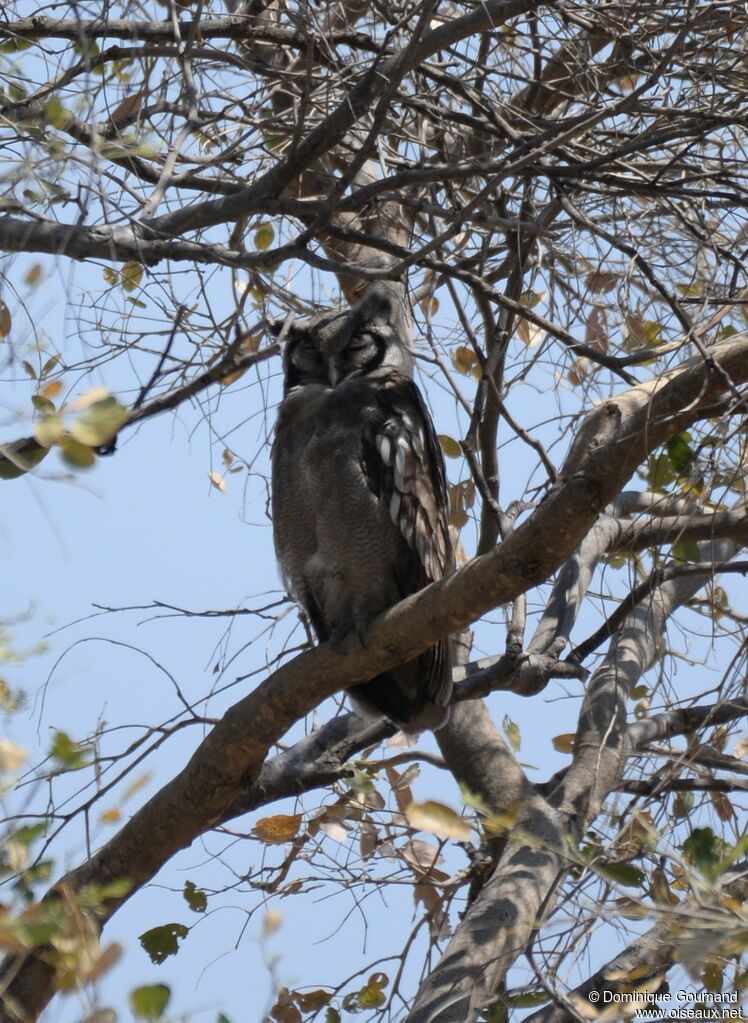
(359,495)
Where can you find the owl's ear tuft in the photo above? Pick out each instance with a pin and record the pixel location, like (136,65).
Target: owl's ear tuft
(284,329)
(274,326)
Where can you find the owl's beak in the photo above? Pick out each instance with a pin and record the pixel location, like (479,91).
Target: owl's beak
(333,374)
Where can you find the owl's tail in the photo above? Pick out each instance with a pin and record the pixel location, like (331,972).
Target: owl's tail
(415,696)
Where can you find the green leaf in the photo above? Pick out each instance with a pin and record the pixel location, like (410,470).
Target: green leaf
(528,998)
(75,454)
(99,423)
(69,755)
(361,781)
(222,1018)
(49,365)
(680,451)
(616,560)
(661,471)
(86,48)
(449,446)
(96,897)
(332,1015)
(162,942)
(111,276)
(513,734)
(437,819)
(686,551)
(15,44)
(20,456)
(42,404)
(55,113)
(150,1001)
(625,874)
(702,847)
(40,872)
(264,236)
(131,275)
(29,833)
(196,899)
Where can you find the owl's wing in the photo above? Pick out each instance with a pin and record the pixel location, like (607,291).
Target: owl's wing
(404,467)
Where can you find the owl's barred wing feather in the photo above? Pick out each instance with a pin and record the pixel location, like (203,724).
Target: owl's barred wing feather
(404,468)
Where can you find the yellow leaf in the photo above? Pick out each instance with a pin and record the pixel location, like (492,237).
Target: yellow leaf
(250,343)
(579,370)
(662,893)
(264,236)
(449,446)
(49,429)
(131,275)
(335,831)
(600,281)
(422,856)
(277,830)
(49,365)
(722,805)
(77,455)
(5,320)
(437,819)
(125,110)
(712,976)
(430,306)
(33,275)
(271,922)
(88,399)
(12,756)
(111,816)
(563,743)
(217,481)
(372,995)
(100,422)
(312,1001)
(52,388)
(232,376)
(529,333)
(284,1010)
(464,359)
(136,785)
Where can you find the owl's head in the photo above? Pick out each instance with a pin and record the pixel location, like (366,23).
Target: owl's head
(371,339)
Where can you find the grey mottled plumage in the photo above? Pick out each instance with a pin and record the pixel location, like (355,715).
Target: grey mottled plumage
(360,506)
